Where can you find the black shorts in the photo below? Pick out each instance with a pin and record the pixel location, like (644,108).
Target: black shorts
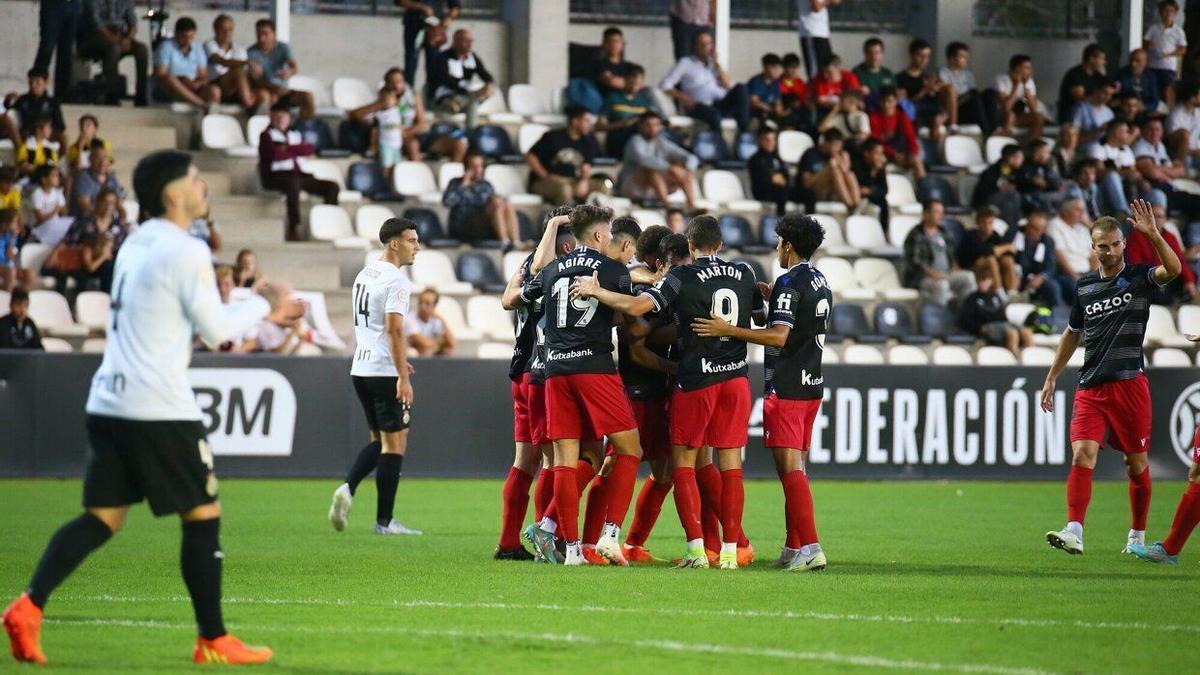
(167,463)
(378,398)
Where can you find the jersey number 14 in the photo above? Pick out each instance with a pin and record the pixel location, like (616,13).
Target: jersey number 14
(362,300)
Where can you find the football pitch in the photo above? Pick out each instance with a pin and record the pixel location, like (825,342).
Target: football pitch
(923,577)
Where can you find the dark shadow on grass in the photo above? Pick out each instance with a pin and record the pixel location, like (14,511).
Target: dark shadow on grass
(860,569)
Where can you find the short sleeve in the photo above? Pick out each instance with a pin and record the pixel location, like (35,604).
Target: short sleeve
(397,300)
(615,277)
(666,291)
(1075,324)
(784,301)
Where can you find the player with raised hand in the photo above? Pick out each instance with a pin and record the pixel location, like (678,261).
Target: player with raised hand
(143,422)
(800,302)
(381,375)
(1111,308)
(712,404)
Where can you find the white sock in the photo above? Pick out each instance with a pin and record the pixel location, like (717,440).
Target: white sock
(548,525)
(695,545)
(611,530)
(790,552)
(808,550)
(574,549)
(729,547)
(1138,535)
(1076,528)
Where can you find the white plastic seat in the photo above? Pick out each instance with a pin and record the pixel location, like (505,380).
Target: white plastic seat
(829,355)
(255,126)
(725,188)
(485,314)
(434,269)
(324,169)
(91,309)
(223,132)
(994,145)
(512,262)
(898,228)
(1189,319)
(832,208)
(952,355)
(495,351)
(327,222)
(55,345)
(962,152)
(528,134)
(992,355)
(132,210)
(862,355)
(368,219)
(509,183)
(866,233)
(33,256)
(678,198)
(793,144)
(1076,360)
(648,217)
(756,353)
(907,355)
(415,179)
(320,91)
(667,105)
(840,275)
(451,312)
(1017,312)
(901,195)
(1037,356)
(93,346)
(495,110)
(1160,329)
(1170,357)
(5,300)
(835,237)
(350,93)
(527,100)
(1186,185)
(50,312)
(880,275)
(447,172)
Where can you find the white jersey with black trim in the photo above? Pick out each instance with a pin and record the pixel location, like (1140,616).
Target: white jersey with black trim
(164,293)
(379,289)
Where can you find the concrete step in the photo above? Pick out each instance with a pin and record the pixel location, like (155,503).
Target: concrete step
(114,119)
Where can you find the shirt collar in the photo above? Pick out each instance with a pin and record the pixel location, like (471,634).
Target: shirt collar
(1100,271)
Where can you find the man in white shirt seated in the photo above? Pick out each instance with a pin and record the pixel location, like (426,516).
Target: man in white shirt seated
(227,65)
(704,90)
(1183,124)
(1072,240)
(1118,175)
(427,332)
(281,332)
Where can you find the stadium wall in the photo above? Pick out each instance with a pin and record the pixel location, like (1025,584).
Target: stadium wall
(288,417)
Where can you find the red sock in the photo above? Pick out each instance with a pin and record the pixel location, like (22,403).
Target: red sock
(709,480)
(733,502)
(798,505)
(516,503)
(1186,517)
(687,501)
(1079,493)
(584,473)
(1139,498)
(597,507)
(621,480)
(543,493)
(566,496)
(649,505)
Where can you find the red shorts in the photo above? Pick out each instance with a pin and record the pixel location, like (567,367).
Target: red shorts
(586,406)
(1120,409)
(788,423)
(717,415)
(1196,447)
(529,411)
(654,427)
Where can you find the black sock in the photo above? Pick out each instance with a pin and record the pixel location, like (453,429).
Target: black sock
(387,479)
(200,560)
(364,464)
(67,548)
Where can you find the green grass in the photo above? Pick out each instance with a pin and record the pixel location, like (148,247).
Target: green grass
(922,576)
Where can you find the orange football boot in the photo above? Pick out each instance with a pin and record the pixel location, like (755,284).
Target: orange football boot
(592,557)
(23,623)
(640,555)
(745,555)
(229,650)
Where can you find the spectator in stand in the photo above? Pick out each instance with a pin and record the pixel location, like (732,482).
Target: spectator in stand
(39,149)
(1016,96)
(400,120)
(689,18)
(1183,124)
(34,105)
(929,265)
(1081,81)
(115,25)
(476,212)
(1167,45)
(814,34)
(100,235)
(1156,167)
(871,73)
(1084,186)
(704,89)
(225,286)
(1128,109)
(1137,78)
(1036,258)
(11,233)
(205,229)
(1038,181)
(1073,244)
(49,202)
(411,103)
(997,185)
(1139,251)
(88,184)
(10,194)
(181,69)
(1065,149)
(848,117)
(1118,176)
(452,78)
(795,110)
(609,69)
(271,65)
(560,163)
(892,128)
(1092,116)
(58,28)
(229,65)
(245,270)
(922,88)
(982,314)
(622,109)
(769,178)
(79,154)
(676,221)
(278,333)
(283,166)
(826,174)
(984,246)
(654,167)
(17,330)
(962,101)
(427,22)
(764,89)
(831,83)
(427,332)
(871,172)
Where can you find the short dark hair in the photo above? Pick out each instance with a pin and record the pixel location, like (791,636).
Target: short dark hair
(887,90)
(1086,163)
(955,47)
(771,59)
(586,216)
(648,243)
(764,130)
(673,210)
(1009,150)
(673,247)
(1035,145)
(804,233)
(1185,89)
(221,17)
(1167,3)
(1127,94)
(153,174)
(928,205)
(38,73)
(612,30)
(394,227)
(868,145)
(704,233)
(564,210)
(18,295)
(1092,50)
(791,60)
(8,174)
(574,112)
(393,69)
(830,135)
(88,116)
(626,226)
(917,45)
(184,24)
(1153,117)
(1017,60)
(42,171)
(871,42)
(634,70)
(472,154)
(281,106)
(264,22)
(8,215)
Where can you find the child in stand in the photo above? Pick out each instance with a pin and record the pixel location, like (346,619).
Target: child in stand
(79,152)
(1167,44)
(10,246)
(39,149)
(795,111)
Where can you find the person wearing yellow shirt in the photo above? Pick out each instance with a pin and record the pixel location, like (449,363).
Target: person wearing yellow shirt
(39,148)
(10,194)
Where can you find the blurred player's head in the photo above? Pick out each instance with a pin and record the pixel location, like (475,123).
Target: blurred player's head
(564,240)
(427,302)
(676,221)
(168,186)
(592,226)
(1108,242)
(704,235)
(799,238)
(648,245)
(399,239)
(674,250)
(625,234)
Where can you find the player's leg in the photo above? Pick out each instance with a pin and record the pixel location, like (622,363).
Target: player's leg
(1137,466)
(596,512)
(708,479)
(1187,515)
(620,483)
(649,505)
(387,481)
(687,504)
(1129,418)
(1079,495)
(798,501)
(364,463)
(733,500)
(526,463)
(566,497)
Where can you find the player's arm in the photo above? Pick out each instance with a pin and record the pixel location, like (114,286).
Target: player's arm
(629,305)
(633,333)
(544,253)
(511,298)
(1066,347)
(1143,221)
(775,335)
(398,348)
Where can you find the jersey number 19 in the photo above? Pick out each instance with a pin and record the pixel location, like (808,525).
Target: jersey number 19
(562,294)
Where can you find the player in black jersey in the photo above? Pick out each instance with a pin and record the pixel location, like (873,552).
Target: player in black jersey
(800,302)
(533,450)
(712,375)
(584,396)
(1112,306)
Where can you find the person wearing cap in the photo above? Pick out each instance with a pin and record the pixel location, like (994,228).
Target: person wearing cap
(654,167)
(1140,251)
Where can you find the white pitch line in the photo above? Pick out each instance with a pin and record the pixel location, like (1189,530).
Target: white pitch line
(730,613)
(860,660)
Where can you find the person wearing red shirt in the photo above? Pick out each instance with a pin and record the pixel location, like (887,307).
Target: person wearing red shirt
(283,166)
(828,85)
(793,96)
(1139,250)
(892,128)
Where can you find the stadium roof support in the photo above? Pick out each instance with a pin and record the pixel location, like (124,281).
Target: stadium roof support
(281,14)
(1132,25)
(721,22)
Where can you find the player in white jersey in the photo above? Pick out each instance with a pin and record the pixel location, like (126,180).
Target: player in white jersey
(143,422)
(380,372)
